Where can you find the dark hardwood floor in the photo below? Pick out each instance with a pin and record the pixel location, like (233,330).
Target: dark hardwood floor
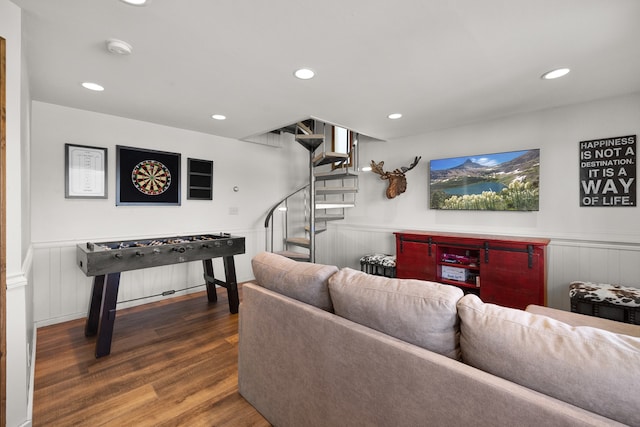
(172,363)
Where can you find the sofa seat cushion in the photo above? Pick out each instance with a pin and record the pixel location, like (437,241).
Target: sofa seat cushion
(587,367)
(303,281)
(421,313)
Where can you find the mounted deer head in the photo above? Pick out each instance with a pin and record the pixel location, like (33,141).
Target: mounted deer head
(397,178)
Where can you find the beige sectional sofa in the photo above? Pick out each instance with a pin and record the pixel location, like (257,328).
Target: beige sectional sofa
(321,346)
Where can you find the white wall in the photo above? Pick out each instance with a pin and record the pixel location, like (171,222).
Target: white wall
(263,174)
(579,234)
(555,132)
(18,328)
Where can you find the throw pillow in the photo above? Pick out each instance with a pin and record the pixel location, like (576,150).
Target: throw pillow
(587,367)
(303,281)
(419,312)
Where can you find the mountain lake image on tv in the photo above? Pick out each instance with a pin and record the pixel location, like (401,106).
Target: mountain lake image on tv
(506,181)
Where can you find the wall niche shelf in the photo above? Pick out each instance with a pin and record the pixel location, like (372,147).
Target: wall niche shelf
(509,271)
(199,179)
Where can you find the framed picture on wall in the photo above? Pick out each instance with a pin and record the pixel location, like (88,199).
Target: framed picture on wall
(147,177)
(85,172)
(506,181)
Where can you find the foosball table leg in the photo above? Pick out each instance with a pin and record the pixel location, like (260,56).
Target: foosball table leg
(93,317)
(107,314)
(209,280)
(232,284)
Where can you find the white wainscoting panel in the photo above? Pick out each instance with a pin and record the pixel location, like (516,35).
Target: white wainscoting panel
(343,245)
(599,262)
(61,291)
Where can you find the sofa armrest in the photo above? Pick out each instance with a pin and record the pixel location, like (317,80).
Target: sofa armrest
(577,319)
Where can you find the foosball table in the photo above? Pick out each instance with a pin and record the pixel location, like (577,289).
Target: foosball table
(105,261)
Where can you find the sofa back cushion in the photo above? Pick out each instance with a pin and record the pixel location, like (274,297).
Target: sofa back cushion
(587,367)
(415,311)
(303,281)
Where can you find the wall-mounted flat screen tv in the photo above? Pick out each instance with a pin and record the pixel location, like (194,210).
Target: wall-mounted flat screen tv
(495,182)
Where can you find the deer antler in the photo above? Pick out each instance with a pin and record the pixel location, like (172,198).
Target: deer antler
(412,165)
(397,178)
(377,168)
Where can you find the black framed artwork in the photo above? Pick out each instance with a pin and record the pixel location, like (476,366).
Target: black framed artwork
(147,177)
(86,172)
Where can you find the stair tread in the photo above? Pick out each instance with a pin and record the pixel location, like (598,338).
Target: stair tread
(299,241)
(336,190)
(310,142)
(305,137)
(331,154)
(327,157)
(318,229)
(334,205)
(298,256)
(335,175)
(329,217)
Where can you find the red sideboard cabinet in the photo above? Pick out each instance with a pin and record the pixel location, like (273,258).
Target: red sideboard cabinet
(509,271)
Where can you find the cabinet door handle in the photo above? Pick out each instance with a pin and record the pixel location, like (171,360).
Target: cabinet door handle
(486,252)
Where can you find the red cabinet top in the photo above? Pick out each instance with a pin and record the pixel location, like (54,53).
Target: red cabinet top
(474,237)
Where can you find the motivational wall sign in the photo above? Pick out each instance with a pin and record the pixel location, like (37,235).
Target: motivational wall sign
(608,171)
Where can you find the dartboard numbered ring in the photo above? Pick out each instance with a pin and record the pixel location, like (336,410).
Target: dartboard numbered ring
(151,177)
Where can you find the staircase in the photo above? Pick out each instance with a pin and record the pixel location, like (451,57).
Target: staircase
(302,215)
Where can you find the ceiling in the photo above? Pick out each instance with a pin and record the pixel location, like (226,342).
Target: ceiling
(441,63)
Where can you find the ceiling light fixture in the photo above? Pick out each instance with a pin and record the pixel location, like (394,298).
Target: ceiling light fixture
(394,116)
(92,86)
(304,74)
(218,117)
(119,47)
(554,74)
(135,2)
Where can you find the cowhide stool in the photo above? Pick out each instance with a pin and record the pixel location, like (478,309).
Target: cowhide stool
(613,302)
(379,264)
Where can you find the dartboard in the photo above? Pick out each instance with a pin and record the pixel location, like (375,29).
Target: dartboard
(151,177)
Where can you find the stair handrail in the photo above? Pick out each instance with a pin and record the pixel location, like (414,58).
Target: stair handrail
(269,218)
(272,210)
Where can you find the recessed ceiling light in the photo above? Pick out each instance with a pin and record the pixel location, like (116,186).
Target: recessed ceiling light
(394,116)
(554,74)
(92,86)
(218,117)
(136,2)
(304,74)
(119,47)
